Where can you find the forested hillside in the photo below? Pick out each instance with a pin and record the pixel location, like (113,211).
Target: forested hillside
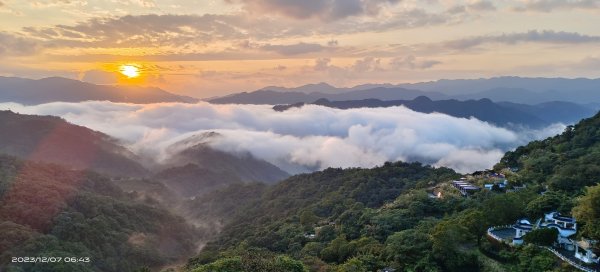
(200,169)
(567,162)
(371,219)
(52,139)
(50,211)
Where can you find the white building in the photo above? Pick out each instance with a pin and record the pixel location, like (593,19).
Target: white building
(584,251)
(566,226)
(522,227)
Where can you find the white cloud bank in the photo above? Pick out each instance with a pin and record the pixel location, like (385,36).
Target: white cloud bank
(301,139)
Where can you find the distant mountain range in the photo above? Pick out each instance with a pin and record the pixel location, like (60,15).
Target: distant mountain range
(54,89)
(279,97)
(500,89)
(502,114)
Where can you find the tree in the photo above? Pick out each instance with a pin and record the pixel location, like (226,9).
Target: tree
(534,259)
(475,222)
(308,218)
(550,201)
(407,247)
(541,237)
(588,212)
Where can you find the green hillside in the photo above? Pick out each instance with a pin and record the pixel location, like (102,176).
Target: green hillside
(372,219)
(567,162)
(50,211)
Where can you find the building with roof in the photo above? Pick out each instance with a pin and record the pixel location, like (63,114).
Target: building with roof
(465,188)
(565,225)
(501,185)
(522,227)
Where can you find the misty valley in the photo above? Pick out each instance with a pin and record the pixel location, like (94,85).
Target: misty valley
(313,178)
(300,136)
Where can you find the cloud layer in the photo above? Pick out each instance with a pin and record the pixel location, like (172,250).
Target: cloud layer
(304,139)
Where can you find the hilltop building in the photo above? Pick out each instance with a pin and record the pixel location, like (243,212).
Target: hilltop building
(522,227)
(566,227)
(465,188)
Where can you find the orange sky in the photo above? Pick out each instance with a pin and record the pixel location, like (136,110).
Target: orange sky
(221,46)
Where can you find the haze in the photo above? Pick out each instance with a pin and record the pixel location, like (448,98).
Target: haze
(212,48)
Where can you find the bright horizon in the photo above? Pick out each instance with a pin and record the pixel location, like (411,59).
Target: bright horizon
(221,47)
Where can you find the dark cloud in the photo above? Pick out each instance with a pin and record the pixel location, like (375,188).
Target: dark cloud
(546,36)
(323,9)
(550,5)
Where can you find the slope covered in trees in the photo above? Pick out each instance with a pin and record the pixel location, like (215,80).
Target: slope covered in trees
(52,139)
(50,211)
(371,219)
(200,169)
(567,162)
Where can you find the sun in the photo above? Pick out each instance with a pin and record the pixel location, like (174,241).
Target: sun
(129,71)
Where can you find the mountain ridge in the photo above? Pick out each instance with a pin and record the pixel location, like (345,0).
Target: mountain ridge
(59,89)
(501,114)
(524,90)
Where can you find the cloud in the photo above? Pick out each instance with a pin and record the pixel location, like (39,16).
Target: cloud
(322,64)
(411,62)
(141,30)
(366,64)
(58,3)
(327,10)
(293,49)
(474,6)
(303,139)
(550,5)
(545,36)
(193,34)
(13,45)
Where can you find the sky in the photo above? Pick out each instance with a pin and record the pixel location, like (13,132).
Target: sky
(216,47)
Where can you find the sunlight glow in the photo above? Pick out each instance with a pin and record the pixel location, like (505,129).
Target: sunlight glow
(129,71)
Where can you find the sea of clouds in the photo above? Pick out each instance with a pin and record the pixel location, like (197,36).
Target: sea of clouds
(300,139)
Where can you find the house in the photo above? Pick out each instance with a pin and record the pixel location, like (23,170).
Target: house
(584,251)
(501,185)
(465,188)
(565,225)
(522,227)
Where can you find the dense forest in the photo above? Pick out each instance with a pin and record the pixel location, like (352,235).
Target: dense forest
(48,210)
(385,218)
